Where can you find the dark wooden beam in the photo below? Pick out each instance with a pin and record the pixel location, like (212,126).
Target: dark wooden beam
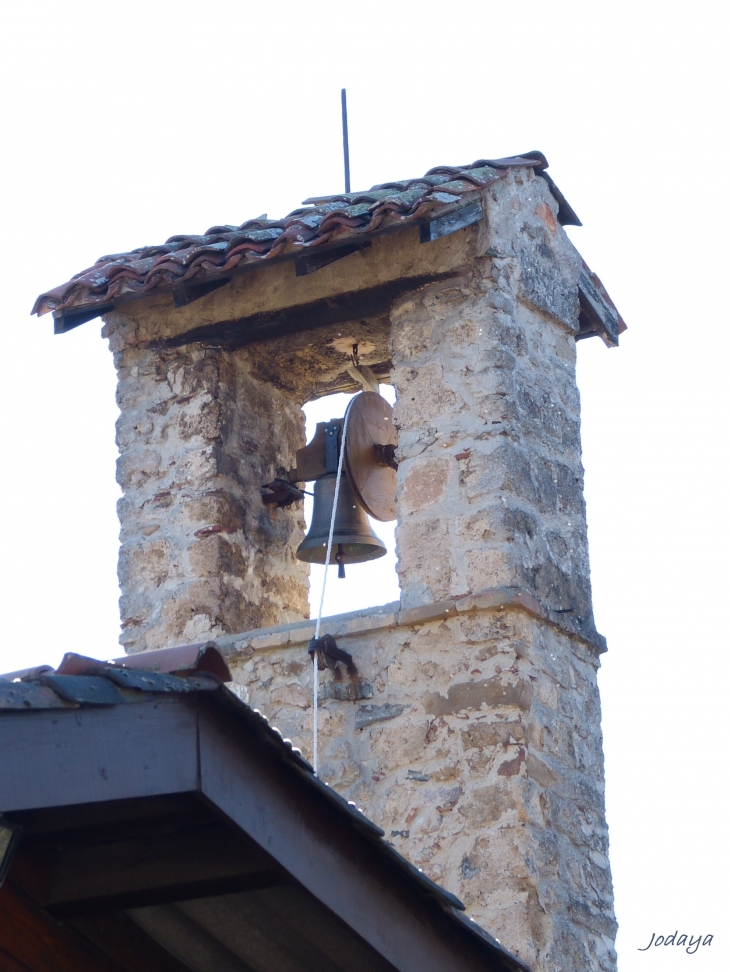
(68,320)
(306,919)
(155,868)
(123,941)
(35,940)
(10,964)
(315,261)
(597,314)
(54,835)
(183,936)
(189,292)
(177,810)
(355,306)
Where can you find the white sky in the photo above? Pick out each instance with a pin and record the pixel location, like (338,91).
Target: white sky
(124,123)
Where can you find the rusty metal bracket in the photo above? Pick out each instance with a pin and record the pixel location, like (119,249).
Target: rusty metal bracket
(328,654)
(332,436)
(385,454)
(280,493)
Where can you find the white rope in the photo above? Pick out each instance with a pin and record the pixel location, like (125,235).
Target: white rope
(315,680)
(315,734)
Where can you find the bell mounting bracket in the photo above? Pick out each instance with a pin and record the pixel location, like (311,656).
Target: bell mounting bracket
(332,446)
(328,654)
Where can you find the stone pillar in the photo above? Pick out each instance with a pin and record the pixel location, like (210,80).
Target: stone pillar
(490,482)
(504,718)
(198,435)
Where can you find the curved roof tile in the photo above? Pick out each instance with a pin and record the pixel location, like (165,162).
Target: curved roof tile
(223,249)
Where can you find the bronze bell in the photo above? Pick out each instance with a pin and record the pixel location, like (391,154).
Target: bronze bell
(353,540)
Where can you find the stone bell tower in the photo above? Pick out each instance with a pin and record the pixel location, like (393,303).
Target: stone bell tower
(470,730)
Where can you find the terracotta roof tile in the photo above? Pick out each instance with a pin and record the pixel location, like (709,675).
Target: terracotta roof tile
(224,249)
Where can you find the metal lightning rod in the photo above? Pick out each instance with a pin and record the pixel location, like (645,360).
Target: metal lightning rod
(345,140)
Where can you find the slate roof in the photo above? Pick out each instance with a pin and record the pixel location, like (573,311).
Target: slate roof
(99,684)
(323,221)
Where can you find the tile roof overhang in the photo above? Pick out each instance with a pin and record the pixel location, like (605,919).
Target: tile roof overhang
(323,223)
(93,742)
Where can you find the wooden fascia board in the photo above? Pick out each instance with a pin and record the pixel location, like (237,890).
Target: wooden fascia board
(62,757)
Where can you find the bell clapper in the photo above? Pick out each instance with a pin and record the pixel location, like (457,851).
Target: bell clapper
(340,558)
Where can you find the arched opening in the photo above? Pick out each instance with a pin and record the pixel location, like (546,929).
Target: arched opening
(367,584)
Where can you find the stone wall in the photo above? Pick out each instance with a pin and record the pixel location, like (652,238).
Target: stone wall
(205,422)
(198,435)
(490,483)
(472,731)
(471,735)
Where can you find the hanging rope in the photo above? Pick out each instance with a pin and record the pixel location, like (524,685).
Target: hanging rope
(315,680)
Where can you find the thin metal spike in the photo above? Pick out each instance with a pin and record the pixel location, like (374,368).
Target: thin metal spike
(345,140)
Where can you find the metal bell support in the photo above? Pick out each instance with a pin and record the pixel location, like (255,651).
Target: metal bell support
(353,540)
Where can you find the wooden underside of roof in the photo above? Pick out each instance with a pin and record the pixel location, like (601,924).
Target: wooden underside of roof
(180,832)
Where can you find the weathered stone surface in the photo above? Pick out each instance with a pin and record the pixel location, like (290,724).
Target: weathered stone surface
(198,436)
(427,483)
(473,695)
(471,732)
(346,690)
(366,715)
(490,478)
(480,754)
